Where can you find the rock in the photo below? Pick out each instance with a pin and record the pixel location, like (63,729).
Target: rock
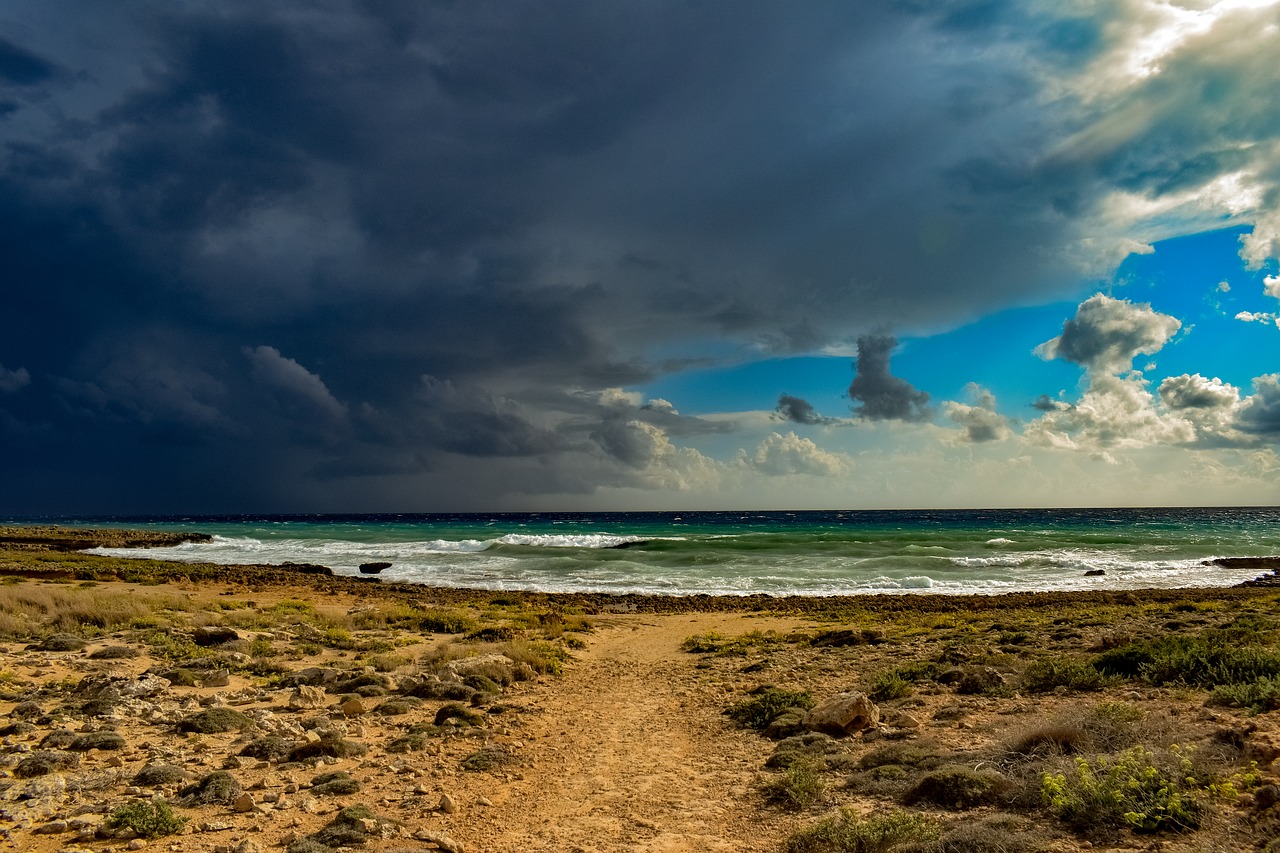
(248,846)
(903,720)
(484,801)
(373,568)
(447,804)
(243,803)
(305,696)
(1095,573)
(311,676)
(26,710)
(136,844)
(974,680)
(490,665)
(439,839)
(53,827)
(60,643)
(118,687)
(352,708)
(213,635)
(216,678)
(843,714)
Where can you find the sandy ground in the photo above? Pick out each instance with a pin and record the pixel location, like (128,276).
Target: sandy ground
(629,751)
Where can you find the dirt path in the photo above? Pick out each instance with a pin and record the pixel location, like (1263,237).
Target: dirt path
(629,751)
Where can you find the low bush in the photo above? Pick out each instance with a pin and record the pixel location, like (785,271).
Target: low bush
(957,788)
(444,621)
(1135,789)
(798,787)
(765,705)
(890,685)
(1048,674)
(543,658)
(148,819)
(217,788)
(488,758)
(1257,696)
(849,833)
(214,720)
(1210,659)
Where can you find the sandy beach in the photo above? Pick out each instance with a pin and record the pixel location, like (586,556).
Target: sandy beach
(210,708)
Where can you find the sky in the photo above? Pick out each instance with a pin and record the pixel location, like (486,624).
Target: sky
(368,256)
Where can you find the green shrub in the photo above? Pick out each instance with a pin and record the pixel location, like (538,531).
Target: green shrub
(1047,674)
(542,657)
(286,606)
(1210,659)
(957,788)
(488,758)
(798,787)
(1257,696)
(1131,790)
(717,644)
(708,643)
(443,621)
(765,705)
(848,833)
(216,719)
(148,819)
(890,685)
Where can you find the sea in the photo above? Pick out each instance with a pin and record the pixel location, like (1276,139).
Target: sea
(748,553)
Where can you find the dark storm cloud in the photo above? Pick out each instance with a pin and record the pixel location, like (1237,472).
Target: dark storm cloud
(882,395)
(1260,414)
(1045,403)
(253,229)
(21,67)
(800,411)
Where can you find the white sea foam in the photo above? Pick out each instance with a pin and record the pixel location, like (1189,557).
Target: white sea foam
(575,562)
(583,540)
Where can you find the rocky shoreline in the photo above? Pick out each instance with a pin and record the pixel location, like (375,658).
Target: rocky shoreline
(243,709)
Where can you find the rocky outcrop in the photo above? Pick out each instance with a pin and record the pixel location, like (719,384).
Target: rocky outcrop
(843,714)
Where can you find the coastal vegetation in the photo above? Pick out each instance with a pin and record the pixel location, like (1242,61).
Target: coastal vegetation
(1003,725)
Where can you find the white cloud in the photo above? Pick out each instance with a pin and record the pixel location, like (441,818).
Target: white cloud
(1256,317)
(1224,287)
(272,369)
(618,398)
(780,455)
(1271,286)
(667,466)
(981,421)
(1106,334)
(1263,243)
(1113,413)
(12,380)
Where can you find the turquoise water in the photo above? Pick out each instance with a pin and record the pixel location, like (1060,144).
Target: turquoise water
(778,553)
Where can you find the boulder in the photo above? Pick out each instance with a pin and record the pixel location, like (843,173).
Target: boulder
(373,568)
(843,714)
(306,696)
(213,635)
